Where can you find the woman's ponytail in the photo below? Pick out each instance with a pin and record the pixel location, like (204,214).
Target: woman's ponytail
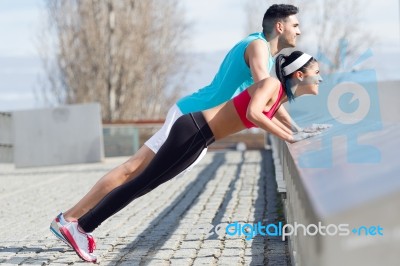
(280,59)
(279,62)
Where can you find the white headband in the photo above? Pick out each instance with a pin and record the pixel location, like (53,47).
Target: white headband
(296,64)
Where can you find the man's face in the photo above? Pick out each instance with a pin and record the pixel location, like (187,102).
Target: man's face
(290,31)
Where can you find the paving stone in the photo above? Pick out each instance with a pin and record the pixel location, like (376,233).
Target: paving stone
(232,252)
(230,261)
(185,253)
(209,252)
(181,262)
(190,244)
(204,261)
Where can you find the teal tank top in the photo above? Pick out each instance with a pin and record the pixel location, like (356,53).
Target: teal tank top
(233,77)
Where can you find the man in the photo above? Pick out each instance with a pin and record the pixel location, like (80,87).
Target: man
(247,62)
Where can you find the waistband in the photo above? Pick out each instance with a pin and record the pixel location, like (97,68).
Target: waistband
(204,128)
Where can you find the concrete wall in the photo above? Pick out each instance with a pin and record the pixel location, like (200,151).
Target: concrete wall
(389,99)
(6,139)
(334,179)
(357,195)
(56,136)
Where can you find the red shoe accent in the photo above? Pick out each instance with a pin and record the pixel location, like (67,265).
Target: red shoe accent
(71,240)
(91,244)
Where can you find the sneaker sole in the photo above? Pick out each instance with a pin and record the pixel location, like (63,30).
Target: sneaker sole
(58,234)
(73,244)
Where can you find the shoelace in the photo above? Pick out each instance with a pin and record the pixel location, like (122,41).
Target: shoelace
(91,244)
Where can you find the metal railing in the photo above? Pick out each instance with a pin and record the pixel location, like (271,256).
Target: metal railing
(120,140)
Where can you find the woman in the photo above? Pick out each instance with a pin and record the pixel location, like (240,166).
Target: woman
(297,74)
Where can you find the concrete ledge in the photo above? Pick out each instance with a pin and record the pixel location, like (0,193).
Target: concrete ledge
(277,158)
(357,194)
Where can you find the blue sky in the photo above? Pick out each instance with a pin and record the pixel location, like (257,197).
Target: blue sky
(215,26)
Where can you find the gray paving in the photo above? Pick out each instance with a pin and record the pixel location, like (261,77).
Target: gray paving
(172,225)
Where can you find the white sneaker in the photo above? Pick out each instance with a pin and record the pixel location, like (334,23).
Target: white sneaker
(82,242)
(55,226)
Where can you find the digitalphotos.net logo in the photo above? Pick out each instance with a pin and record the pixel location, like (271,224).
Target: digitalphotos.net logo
(348,100)
(249,230)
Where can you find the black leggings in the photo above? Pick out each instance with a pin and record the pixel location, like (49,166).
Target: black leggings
(189,135)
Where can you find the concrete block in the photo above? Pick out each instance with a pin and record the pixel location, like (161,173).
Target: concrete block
(57,136)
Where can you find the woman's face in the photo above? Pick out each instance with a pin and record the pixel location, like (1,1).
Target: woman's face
(311,79)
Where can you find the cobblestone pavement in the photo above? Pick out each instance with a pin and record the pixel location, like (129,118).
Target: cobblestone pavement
(169,226)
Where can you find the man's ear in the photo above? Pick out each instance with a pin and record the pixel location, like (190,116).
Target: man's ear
(279,27)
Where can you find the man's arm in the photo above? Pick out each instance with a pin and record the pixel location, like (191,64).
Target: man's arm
(257,58)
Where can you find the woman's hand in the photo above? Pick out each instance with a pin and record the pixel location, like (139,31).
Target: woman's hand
(316,128)
(303,135)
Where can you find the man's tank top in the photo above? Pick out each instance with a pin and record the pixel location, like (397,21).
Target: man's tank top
(233,77)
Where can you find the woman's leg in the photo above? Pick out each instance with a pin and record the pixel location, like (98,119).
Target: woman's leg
(116,177)
(126,171)
(182,148)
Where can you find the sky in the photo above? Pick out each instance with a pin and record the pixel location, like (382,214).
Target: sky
(215,25)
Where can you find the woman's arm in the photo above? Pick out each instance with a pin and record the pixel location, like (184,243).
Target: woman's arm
(277,122)
(259,99)
(283,116)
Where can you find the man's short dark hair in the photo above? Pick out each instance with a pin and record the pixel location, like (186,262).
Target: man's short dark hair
(275,13)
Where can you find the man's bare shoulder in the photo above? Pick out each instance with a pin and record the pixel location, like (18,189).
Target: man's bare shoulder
(258,44)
